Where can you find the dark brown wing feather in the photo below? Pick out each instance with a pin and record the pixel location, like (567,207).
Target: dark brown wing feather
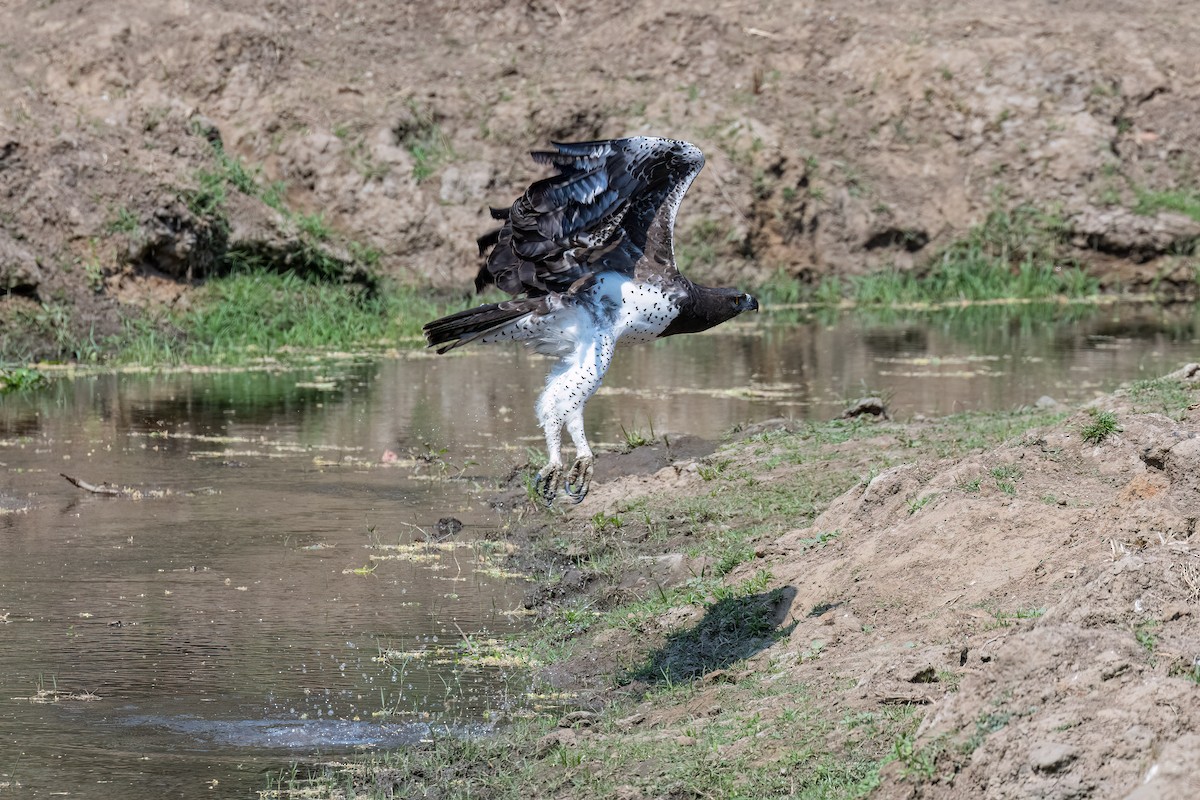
(610,206)
(464,327)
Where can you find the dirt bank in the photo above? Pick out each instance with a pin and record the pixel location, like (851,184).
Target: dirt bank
(976,606)
(841,138)
(1034,605)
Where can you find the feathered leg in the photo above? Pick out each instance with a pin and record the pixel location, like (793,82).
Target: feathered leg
(568,389)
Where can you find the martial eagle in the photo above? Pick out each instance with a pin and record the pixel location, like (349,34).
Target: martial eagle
(588,256)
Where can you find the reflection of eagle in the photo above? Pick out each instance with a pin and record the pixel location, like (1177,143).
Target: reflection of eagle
(589,258)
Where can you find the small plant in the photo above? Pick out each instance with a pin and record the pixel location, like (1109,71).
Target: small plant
(916,762)
(1005,619)
(273,195)
(364,254)
(363,160)
(1146,634)
(420,134)
(1006,476)
(17,379)
(93,272)
(207,200)
(710,472)
(915,504)
(971,487)
(313,225)
(602,523)
(635,438)
(733,556)
(1102,425)
(125,221)
(702,244)
(1189,672)
(950,679)
(821,539)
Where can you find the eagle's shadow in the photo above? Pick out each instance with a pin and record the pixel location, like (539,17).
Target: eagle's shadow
(731,630)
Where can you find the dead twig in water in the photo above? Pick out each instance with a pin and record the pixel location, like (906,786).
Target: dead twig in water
(108,490)
(104,488)
(466,639)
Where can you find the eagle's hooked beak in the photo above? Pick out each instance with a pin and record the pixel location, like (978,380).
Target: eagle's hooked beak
(749,303)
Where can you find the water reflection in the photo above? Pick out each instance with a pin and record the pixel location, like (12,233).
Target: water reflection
(234,616)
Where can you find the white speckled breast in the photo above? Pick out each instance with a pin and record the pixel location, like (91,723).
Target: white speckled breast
(641,311)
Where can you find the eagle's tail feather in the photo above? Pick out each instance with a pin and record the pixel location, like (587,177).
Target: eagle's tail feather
(464,327)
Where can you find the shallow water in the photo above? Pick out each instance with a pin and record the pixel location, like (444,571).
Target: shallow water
(229,618)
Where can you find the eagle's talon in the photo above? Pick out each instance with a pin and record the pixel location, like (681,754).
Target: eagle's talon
(579,480)
(547,483)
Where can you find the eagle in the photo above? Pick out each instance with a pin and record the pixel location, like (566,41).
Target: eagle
(588,256)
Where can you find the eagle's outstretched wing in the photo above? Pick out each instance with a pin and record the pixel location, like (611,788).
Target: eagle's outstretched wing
(611,207)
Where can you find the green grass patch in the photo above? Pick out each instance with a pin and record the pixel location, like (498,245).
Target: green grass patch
(1099,426)
(122,221)
(309,253)
(1146,633)
(425,141)
(18,379)
(762,738)
(1014,254)
(1167,396)
(702,246)
(1187,671)
(314,226)
(1182,201)
(258,313)
(1004,619)
(257,303)
(636,437)
(32,333)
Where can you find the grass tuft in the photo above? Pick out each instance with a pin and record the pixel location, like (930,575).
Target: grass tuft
(1101,425)
(1181,201)
(420,134)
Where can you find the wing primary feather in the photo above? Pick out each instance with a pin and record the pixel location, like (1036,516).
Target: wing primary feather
(592,149)
(488,240)
(610,205)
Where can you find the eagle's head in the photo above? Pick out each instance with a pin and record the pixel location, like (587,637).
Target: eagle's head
(706,307)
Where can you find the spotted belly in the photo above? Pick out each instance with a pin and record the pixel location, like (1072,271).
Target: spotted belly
(645,312)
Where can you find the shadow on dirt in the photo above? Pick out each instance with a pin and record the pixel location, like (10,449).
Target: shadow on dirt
(732,629)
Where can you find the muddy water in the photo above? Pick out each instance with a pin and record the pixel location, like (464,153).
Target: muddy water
(262,594)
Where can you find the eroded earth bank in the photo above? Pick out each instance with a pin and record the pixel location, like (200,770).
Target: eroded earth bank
(984,606)
(146,147)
